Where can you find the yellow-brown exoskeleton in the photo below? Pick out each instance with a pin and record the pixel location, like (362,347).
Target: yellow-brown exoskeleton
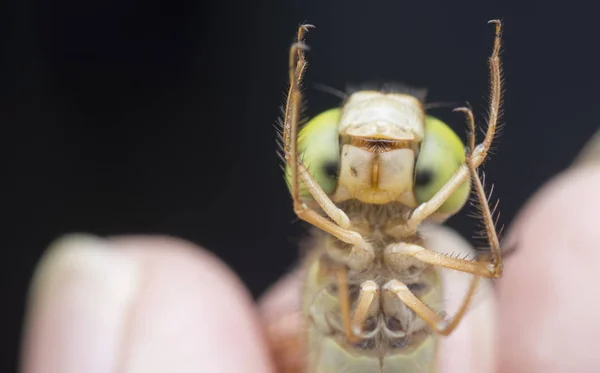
(367,174)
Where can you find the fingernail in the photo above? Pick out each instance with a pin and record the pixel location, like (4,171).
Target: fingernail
(78,304)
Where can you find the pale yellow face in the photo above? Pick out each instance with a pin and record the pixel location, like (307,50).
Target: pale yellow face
(381,148)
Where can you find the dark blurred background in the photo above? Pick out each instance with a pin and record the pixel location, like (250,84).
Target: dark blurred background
(156,117)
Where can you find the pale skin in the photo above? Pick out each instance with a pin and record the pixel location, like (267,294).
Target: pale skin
(546,302)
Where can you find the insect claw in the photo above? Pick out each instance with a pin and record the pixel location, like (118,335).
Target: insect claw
(308,26)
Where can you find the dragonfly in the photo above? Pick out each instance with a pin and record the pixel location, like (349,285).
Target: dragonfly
(367,175)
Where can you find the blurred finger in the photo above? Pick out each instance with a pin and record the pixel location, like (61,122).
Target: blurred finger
(284,324)
(548,298)
(139,305)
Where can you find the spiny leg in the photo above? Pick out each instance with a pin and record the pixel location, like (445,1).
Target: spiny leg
(394,257)
(344,300)
(340,227)
(495,91)
(486,213)
(432,319)
(297,67)
(479,153)
(475,158)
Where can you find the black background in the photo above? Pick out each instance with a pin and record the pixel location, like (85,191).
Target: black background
(149,117)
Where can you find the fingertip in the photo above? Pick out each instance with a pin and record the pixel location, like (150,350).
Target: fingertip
(548,304)
(79,293)
(283,295)
(280,309)
(194,302)
(187,312)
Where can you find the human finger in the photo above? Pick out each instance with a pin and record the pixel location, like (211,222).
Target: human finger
(548,300)
(139,304)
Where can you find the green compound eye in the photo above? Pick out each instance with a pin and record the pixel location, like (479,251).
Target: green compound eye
(442,153)
(318,146)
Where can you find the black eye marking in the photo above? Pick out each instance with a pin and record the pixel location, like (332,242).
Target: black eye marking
(331,169)
(353,171)
(424,177)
